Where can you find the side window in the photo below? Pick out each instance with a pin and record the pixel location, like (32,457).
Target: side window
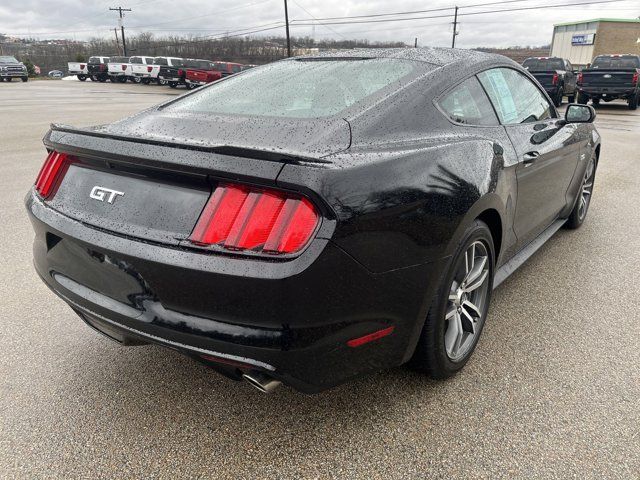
(515,97)
(468,104)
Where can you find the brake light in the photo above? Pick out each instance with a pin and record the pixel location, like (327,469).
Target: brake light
(103,67)
(245,218)
(180,72)
(554,80)
(356,342)
(124,67)
(52,171)
(634,80)
(149,69)
(579,79)
(82,65)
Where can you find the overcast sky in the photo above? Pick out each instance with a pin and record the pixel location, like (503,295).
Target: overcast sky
(85,19)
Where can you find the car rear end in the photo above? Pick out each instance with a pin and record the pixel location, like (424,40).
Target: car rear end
(97,67)
(611,77)
(77,68)
(119,67)
(201,77)
(547,71)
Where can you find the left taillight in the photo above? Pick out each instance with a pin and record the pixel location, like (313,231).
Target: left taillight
(272,222)
(52,171)
(149,69)
(554,80)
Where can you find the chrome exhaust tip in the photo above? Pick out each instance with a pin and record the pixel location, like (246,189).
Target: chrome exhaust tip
(261,381)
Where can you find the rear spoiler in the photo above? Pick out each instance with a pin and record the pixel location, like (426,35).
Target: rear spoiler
(268,155)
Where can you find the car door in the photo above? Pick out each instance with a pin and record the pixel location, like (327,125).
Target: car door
(546,148)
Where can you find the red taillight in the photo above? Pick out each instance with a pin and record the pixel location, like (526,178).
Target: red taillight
(244,218)
(356,342)
(51,172)
(103,67)
(180,72)
(124,67)
(82,65)
(554,80)
(149,69)
(579,79)
(634,80)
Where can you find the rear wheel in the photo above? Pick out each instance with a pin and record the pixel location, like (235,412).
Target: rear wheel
(82,78)
(633,101)
(8,79)
(173,84)
(122,79)
(459,309)
(145,81)
(93,78)
(571,98)
(595,102)
(580,209)
(25,79)
(135,79)
(582,98)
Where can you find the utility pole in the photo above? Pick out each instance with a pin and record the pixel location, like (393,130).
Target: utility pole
(455,28)
(286,19)
(415,44)
(120,10)
(115,30)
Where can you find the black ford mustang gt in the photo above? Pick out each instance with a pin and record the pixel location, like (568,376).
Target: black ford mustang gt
(317,218)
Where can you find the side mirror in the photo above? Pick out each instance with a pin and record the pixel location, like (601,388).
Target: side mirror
(578,113)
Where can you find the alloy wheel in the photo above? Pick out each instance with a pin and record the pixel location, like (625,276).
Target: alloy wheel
(587,189)
(466,307)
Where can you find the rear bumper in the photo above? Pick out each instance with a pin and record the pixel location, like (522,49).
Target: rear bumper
(289,319)
(608,92)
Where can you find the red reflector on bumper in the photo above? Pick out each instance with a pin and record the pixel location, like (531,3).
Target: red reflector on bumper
(356,342)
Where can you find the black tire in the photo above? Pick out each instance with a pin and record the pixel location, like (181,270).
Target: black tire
(583,98)
(595,102)
(633,101)
(102,79)
(135,79)
(122,79)
(145,81)
(25,79)
(191,86)
(93,78)
(82,78)
(579,214)
(557,99)
(173,84)
(8,79)
(431,354)
(571,98)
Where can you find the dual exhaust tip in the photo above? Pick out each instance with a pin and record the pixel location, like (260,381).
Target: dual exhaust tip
(262,382)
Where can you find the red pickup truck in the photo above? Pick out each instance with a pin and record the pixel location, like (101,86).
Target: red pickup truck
(227,68)
(200,73)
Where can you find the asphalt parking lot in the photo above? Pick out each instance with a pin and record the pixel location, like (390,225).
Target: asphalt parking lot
(553,390)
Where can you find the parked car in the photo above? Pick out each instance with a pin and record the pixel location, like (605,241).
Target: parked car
(119,69)
(141,69)
(158,63)
(316,218)
(97,68)
(610,77)
(206,73)
(176,74)
(79,69)
(11,68)
(56,74)
(556,76)
(227,68)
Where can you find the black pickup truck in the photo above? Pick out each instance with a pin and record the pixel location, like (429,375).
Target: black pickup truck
(174,73)
(11,68)
(555,75)
(97,68)
(611,77)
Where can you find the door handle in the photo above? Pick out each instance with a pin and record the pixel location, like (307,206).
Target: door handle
(529,158)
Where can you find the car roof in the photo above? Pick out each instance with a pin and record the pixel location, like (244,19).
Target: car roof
(433,55)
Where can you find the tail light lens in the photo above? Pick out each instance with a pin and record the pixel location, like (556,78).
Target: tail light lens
(82,65)
(579,79)
(635,78)
(51,173)
(103,67)
(554,80)
(124,67)
(243,218)
(149,69)
(180,72)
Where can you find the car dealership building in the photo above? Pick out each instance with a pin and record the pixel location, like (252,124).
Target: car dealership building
(580,41)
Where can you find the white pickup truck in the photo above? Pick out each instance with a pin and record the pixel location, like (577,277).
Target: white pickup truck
(119,69)
(141,68)
(163,62)
(79,69)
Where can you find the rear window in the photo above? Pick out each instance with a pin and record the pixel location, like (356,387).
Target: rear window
(623,62)
(119,60)
(303,88)
(160,61)
(94,60)
(135,60)
(541,64)
(201,64)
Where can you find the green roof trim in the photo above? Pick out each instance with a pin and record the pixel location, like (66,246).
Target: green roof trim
(621,20)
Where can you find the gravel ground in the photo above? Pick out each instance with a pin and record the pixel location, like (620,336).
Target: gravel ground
(552,391)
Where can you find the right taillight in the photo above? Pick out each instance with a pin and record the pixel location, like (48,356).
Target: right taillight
(635,78)
(180,72)
(261,220)
(82,65)
(124,67)
(51,172)
(579,79)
